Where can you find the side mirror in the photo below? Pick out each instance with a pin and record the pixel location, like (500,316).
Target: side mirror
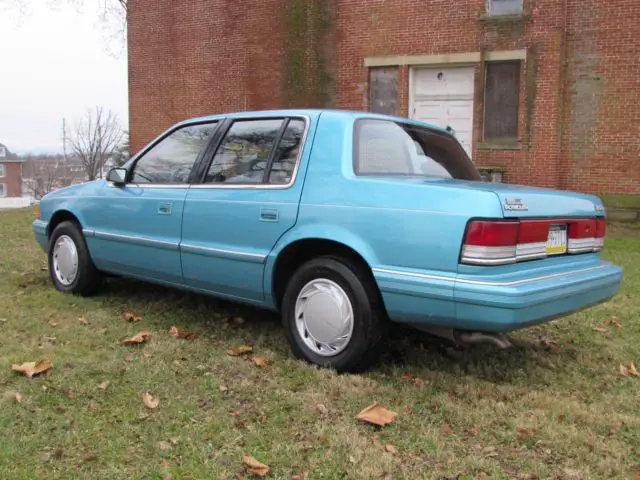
(117,175)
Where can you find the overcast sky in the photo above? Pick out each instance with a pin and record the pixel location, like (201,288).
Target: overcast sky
(54,65)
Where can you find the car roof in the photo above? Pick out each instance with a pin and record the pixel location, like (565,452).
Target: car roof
(352,114)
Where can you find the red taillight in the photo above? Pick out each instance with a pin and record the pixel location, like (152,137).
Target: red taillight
(499,242)
(492,233)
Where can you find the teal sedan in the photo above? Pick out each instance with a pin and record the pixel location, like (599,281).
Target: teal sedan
(344,222)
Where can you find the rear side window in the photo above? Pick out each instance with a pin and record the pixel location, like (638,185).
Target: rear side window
(384,147)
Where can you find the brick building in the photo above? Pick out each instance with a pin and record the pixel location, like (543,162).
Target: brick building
(10,174)
(545,91)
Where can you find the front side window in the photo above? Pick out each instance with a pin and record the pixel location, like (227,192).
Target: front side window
(2,170)
(171,160)
(504,7)
(243,155)
(384,147)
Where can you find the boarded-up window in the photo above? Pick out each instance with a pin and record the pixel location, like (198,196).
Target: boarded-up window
(504,7)
(383,90)
(501,98)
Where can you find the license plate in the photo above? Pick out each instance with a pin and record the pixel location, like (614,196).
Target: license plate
(557,241)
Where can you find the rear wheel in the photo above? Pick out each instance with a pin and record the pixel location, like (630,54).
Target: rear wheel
(70,265)
(333,315)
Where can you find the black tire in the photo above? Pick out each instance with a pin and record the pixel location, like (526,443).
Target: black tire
(88,279)
(370,319)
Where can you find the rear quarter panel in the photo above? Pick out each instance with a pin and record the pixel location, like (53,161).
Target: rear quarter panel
(411,225)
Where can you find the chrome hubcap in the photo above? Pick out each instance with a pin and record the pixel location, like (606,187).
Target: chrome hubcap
(324,317)
(65,260)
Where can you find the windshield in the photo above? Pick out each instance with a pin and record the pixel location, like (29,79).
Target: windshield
(385,147)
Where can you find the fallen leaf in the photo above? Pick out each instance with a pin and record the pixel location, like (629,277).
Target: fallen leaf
(419,381)
(18,397)
(260,362)
(376,415)
(174,440)
(83,321)
(140,337)
(131,317)
(235,414)
(391,449)
(91,458)
(352,459)
(446,429)
(321,409)
(149,401)
(238,320)
(614,321)
(241,350)
(526,432)
(53,323)
(474,432)
(601,329)
(104,385)
(553,345)
(629,370)
(175,332)
(33,368)
(102,331)
(254,467)
(223,388)
(128,358)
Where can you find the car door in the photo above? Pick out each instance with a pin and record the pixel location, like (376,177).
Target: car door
(248,199)
(135,228)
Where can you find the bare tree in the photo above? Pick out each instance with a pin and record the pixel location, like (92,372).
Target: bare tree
(95,139)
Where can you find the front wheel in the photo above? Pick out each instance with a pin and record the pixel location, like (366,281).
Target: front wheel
(333,315)
(70,265)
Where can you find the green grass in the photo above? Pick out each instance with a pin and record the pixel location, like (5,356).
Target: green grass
(621,201)
(462,422)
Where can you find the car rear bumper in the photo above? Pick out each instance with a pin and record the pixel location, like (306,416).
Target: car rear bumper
(500,304)
(39,228)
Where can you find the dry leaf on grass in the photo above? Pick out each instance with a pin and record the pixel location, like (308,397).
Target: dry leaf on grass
(254,467)
(614,321)
(83,321)
(104,385)
(321,409)
(53,323)
(526,432)
(391,449)
(18,397)
(131,317)
(260,362)
(241,350)
(140,337)
(376,415)
(149,401)
(176,332)
(223,388)
(601,329)
(629,370)
(33,368)
(446,429)
(474,432)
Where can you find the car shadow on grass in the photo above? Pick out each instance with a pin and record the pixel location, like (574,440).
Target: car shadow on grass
(408,349)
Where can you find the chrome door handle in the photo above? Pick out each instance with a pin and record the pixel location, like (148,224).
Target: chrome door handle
(269,215)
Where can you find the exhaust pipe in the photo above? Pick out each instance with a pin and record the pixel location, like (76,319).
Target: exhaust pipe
(499,340)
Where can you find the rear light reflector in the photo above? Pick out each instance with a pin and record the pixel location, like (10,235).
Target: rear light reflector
(500,242)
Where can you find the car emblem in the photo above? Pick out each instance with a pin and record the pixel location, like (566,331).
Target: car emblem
(515,204)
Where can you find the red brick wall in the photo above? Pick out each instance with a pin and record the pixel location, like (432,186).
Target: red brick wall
(580,83)
(12,179)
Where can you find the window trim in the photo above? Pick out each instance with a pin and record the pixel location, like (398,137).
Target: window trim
(3,193)
(515,14)
(3,170)
(264,185)
(508,141)
(131,164)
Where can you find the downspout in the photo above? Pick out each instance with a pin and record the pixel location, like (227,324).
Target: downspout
(561,172)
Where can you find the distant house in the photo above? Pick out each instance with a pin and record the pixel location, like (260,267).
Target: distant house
(10,174)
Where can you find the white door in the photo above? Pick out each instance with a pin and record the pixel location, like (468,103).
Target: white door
(444,97)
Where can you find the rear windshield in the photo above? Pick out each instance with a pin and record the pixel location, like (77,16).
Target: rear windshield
(385,147)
